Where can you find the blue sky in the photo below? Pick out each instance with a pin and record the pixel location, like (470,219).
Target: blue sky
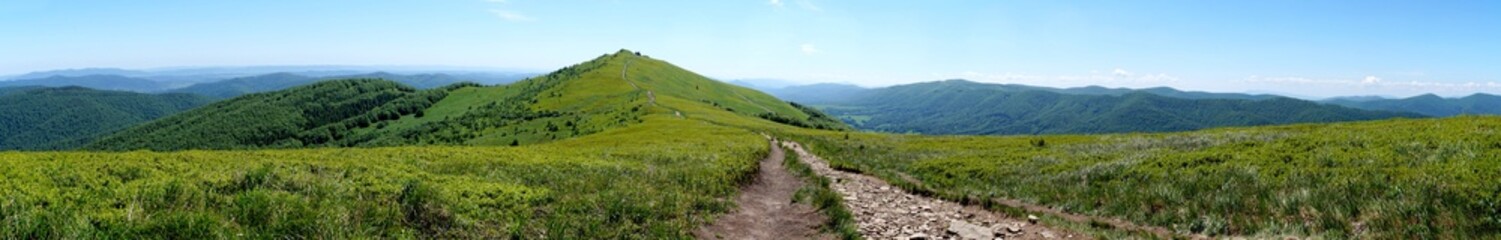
(1305,48)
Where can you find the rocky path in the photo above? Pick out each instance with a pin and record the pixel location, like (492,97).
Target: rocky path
(765,208)
(886,212)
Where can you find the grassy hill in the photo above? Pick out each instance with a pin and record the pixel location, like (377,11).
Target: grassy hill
(963,107)
(1431,105)
(651,155)
(38,118)
(612,91)
(1405,178)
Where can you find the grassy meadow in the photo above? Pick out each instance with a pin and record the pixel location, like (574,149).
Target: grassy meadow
(654,180)
(1428,178)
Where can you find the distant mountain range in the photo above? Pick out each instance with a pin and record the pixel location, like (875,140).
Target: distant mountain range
(965,107)
(1428,104)
(226,84)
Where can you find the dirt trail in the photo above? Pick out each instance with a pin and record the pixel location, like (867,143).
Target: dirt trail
(766,210)
(883,211)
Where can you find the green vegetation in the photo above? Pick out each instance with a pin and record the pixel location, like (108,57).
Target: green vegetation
(39,118)
(655,180)
(574,101)
(1428,178)
(962,107)
(600,159)
(312,115)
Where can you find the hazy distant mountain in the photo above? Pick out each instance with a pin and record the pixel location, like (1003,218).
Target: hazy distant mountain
(818,93)
(964,107)
(79,73)
(1427,104)
(172,78)
(104,82)
(277,81)
(763,83)
(831,92)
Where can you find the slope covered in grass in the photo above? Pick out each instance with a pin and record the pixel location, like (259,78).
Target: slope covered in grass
(658,180)
(645,162)
(612,91)
(1427,178)
(40,118)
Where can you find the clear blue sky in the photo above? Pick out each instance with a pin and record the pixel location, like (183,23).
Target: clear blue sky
(1300,47)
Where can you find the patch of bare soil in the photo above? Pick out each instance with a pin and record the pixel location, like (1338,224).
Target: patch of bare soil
(766,210)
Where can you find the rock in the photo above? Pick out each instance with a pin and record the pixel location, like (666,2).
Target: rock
(1048,234)
(918,236)
(966,230)
(1032,218)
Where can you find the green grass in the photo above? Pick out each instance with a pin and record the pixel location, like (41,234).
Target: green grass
(1432,178)
(654,180)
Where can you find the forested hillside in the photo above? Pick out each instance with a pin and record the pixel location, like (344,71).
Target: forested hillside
(37,118)
(611,91)
(1429,104)
(294,118)
(619,147)
(963,107)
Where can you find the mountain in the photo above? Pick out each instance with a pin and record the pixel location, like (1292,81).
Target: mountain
(832,92)
(79,73)
(277,81)
(240,86)
(37,118)
(609,92)
(104,82)
(818,93)
(1427,104)
(963,107)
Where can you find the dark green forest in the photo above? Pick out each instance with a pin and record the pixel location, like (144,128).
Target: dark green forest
(39,118)
(297,117)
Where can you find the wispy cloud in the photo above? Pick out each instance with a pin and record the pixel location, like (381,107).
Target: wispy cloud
(808,49)
(777,3)
(511,16)
(1114,78)
(1377,83)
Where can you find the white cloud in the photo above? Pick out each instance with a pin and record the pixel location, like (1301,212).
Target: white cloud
(1121,73)
(1376,85)
(511,16)
(776,3)
(809,49)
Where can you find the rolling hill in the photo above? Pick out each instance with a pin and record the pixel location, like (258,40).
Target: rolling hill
(612,91)
(963,107)
(1428,104)
(38,118)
